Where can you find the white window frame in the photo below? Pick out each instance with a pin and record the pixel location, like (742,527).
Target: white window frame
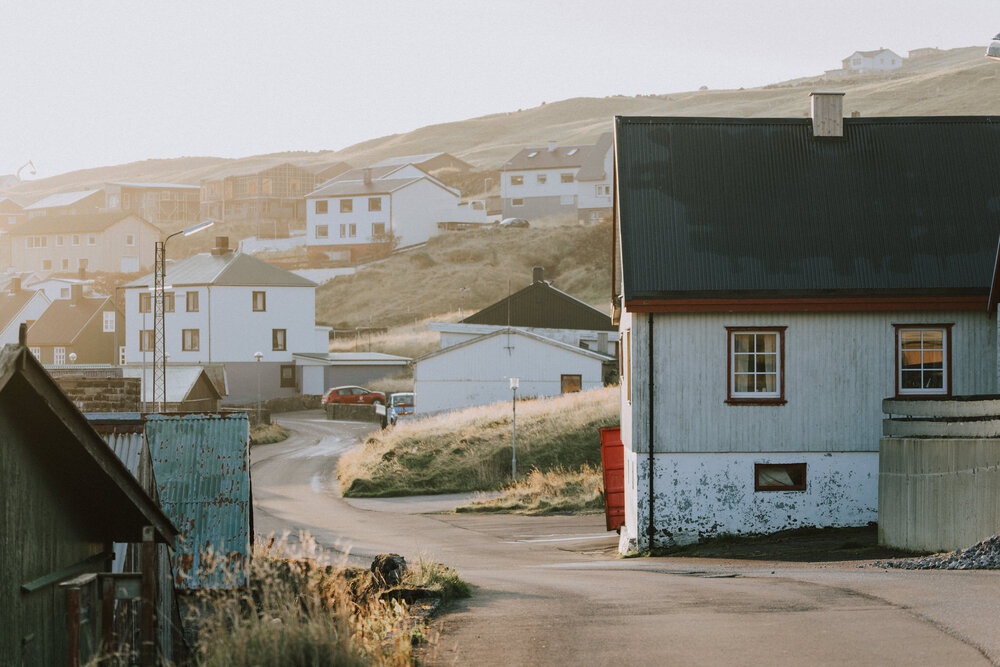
(745,362)
(109,321)
(924,347)
(59,355)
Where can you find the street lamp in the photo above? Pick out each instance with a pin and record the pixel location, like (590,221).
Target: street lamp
(514,382)
(159,327)
(258,356)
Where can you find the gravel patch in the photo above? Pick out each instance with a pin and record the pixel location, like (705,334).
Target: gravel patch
(984,555)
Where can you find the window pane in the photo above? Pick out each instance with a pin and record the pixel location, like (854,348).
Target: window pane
(743,363)
(743,343)
(743,383)
(910,380)
(767,363)
(767,343)
(767,383)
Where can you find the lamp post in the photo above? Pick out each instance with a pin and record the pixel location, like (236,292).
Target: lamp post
(258,356)
(159,327)
(514,382)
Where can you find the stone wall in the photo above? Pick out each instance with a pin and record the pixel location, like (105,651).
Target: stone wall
(97,394)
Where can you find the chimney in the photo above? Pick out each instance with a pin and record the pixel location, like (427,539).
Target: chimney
(538,275)
(22,334)
(552,147)
(827,114)
(221,246)
(368,175)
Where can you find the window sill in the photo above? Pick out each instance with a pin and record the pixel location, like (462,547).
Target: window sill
(756,401)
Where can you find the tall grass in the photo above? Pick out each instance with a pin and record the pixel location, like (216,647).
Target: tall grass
(299,611)
(470,450)
(551,492)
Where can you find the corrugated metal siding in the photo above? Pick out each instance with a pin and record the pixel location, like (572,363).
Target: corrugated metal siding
(838,367)
(202,468)
(730,207)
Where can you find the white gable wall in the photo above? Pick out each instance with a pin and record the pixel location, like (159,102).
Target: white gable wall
(838,368)
(479,373)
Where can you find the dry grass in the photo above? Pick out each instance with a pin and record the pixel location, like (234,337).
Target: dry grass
(470,450)
(265,434)
(551,492)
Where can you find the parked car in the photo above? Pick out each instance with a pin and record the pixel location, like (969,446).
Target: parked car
(400,405)
(353,395)
(514,222)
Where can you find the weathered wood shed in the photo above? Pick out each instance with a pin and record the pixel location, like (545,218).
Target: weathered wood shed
(65,499)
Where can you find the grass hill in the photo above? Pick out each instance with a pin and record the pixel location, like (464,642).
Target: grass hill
(468,270)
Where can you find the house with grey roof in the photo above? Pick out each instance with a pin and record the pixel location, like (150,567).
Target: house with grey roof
(869,62)
(553,342)
(573,180)
(224,307)
(774,281)
(80,202)
(113,242)
(370,211)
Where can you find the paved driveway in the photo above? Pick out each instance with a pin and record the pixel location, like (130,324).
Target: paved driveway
(552,590)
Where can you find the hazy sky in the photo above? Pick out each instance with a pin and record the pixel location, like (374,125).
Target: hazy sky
(102,82)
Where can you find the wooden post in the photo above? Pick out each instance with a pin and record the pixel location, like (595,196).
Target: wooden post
(108,643)
(73,625)
(147,629)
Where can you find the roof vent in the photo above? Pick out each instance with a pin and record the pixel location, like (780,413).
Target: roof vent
(552,147)
(827,114)
(538,274)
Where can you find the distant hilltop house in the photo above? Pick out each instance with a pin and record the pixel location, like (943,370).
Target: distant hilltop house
(559,180)
(432,163)
(366,212)
(80,202)
(867,62)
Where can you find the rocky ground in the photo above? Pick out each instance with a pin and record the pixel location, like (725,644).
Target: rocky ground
(982,556)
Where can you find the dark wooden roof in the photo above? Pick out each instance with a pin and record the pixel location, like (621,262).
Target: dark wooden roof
(540,305)
(98,489)
(760,208)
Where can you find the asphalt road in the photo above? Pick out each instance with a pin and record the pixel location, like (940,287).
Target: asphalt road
(552,590)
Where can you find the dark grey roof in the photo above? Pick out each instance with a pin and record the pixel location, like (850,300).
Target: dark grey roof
(346,188)
(560,157)
(728,208)
(232,269)
(65,319)
(540,305)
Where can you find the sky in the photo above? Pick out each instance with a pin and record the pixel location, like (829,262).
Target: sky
(90,83)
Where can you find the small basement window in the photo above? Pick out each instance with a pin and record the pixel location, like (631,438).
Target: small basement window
(779,477)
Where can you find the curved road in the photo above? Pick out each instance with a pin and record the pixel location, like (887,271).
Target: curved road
(551,590)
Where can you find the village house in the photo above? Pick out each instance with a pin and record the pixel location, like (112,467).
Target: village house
(552,342)
(67,498)
(115,242)
(224,307)
(776,279)
(367,212)
(161,204)
(78,330)
(571,181)
(19,306)
(80,202)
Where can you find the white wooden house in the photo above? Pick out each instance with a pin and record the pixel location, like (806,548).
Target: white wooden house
(553,342)
(866,62)
(776,279)
(19,306)
(224,307)
(362,210)
(571,180)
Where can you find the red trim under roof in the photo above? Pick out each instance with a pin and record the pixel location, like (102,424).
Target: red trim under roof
(802,305)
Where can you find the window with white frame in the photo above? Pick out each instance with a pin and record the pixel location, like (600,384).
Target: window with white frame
(516,179)
(566,177)
(109,321)
(346,205)
(146,340)
(145,302)
(923,359)
(278,339)
(191,301)
(259,302)
(59,355)
(36,352)
(541,178)
(756,365)
(322,206)
(378,229)
(374,203)
(517,202)
(322,231)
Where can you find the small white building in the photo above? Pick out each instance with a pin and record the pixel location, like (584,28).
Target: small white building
(866,62)
(321,370)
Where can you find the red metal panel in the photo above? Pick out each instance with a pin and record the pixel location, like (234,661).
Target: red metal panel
(613,465)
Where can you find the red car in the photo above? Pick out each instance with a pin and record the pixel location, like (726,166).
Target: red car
(353,395)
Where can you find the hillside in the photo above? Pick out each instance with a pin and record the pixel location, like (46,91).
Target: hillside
(466,271)
(955,82)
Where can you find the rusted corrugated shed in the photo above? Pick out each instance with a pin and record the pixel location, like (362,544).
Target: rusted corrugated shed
(202,468)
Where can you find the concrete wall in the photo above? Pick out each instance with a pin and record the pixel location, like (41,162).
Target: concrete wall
(938,494)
